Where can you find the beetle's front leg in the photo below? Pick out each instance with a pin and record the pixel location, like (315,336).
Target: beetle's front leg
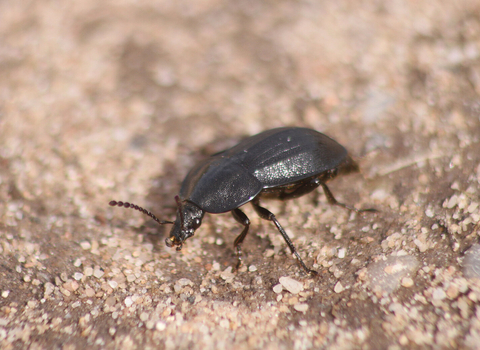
(267,215)
(245,221)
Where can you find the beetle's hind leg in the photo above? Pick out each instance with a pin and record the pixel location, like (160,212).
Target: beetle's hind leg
(331,199)
(237,244)
(267,215)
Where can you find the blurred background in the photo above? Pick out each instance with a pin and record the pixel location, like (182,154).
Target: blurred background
(118,99)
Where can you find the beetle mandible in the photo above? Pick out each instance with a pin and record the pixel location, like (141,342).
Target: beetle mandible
(280,163)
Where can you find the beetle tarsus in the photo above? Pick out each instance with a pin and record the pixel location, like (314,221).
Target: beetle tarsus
(240,261)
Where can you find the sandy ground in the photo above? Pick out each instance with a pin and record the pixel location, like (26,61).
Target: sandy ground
(103,100)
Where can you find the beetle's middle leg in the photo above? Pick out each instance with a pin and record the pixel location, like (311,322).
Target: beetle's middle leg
(331,199)
(237,244)
(301,190)
(267,215)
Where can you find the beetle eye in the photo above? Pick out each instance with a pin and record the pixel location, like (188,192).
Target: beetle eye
(196,223)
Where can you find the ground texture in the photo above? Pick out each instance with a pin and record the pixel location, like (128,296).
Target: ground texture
(118,99)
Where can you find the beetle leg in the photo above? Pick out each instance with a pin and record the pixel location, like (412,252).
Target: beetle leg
(331,199)
(237,244)
(267,215)
(301,190)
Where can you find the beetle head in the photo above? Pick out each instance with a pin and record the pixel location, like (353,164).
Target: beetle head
(189,218)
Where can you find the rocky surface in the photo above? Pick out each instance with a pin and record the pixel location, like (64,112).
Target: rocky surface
(118,99)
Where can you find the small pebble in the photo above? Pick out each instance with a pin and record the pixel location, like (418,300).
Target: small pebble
(450,203)
(77,276)
(110,301)
(338,288)
(160,326)
(85,245)
(293,301)
(269,253)
(452,292)
(472,207)
(74,285)
(429,213)
(98,273)
(277,288)
(439,294)
(407,282)
(182,282)
(301,307)
(49,288)
(227,274)
(291,285)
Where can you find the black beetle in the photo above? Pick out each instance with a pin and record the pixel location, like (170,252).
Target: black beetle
(282,163)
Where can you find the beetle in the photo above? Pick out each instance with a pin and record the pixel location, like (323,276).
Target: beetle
(281,163)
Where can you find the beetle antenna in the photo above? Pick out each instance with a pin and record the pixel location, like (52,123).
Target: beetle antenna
(136,207)
(179,205)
